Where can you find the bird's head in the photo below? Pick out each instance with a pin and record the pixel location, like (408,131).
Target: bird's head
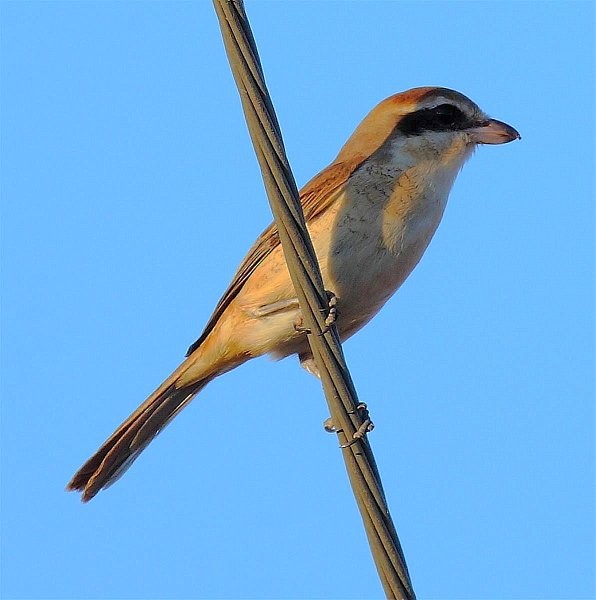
(431,123)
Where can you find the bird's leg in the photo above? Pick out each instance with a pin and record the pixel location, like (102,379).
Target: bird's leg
(308,362)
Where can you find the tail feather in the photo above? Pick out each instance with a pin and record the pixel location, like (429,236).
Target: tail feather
(121,449)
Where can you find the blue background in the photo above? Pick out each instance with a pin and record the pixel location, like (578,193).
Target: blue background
(129,195)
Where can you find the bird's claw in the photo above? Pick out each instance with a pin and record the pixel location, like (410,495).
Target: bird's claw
(331,317)
(331,311)
(299,327)
(328,425)
(366,426)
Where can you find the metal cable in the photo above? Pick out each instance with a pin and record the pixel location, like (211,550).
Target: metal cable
(306,277)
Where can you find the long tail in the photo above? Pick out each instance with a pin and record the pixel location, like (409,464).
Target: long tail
(130,439)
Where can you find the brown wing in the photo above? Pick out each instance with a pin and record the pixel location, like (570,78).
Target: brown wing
(315,197)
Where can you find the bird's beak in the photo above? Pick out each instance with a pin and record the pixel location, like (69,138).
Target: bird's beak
(493,132)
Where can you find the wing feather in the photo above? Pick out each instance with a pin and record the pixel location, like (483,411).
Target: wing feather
(315,197)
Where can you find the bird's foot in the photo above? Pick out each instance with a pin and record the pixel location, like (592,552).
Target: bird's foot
(331,317)
(331,311)
(365,427)
(299,325)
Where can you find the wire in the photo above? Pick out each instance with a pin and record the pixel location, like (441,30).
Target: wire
(346,411)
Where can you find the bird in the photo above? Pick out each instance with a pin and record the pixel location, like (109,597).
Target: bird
(370,214)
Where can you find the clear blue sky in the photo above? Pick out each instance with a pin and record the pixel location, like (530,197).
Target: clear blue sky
(129,195)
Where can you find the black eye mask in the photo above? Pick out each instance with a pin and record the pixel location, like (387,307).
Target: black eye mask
(445,117)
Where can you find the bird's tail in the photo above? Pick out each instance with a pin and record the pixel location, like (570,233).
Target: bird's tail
(130,439)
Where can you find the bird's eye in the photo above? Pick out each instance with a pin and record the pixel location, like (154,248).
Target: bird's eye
(447,115)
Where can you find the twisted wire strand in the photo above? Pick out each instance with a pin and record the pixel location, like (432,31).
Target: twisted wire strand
(306,276)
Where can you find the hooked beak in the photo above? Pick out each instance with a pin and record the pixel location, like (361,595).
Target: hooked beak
(493,132)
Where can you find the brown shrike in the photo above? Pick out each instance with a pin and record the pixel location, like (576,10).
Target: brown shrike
(371,214)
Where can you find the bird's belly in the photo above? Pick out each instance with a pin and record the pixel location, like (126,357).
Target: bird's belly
(371,253)
(365,253)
